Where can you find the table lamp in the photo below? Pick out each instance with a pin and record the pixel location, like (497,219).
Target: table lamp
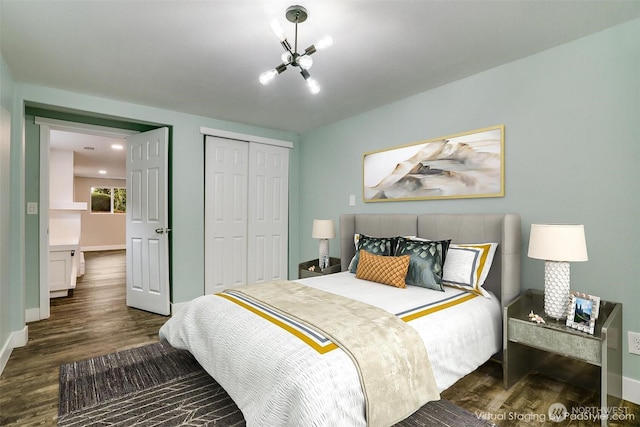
(323,229)
(557,245)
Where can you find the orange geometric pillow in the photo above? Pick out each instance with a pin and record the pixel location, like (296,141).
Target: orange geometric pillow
(388,270)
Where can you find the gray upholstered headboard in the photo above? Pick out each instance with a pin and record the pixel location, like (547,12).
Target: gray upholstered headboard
(504,276)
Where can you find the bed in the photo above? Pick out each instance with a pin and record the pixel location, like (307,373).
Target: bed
(260,343)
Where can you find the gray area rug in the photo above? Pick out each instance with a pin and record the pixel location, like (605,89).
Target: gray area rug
(158,385)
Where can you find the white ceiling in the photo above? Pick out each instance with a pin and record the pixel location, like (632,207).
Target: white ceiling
(204,57)
(92,154)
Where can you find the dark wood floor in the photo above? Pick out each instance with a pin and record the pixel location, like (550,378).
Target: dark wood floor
(95,320)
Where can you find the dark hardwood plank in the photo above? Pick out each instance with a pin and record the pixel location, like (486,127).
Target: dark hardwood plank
(94,320)
(527,402)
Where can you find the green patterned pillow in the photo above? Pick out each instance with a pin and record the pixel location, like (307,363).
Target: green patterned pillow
(383,246)
(426,262)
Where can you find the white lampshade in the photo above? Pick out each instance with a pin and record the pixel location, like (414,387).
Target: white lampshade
(558,242)
(323,229)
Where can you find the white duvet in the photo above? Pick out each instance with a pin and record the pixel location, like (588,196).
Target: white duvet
(277,379)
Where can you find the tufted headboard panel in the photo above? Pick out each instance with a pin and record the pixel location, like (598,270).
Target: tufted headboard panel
(505,229)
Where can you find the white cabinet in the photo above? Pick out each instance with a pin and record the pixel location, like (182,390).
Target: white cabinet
(246,213)
(64,250)
(63,267)
(65,224)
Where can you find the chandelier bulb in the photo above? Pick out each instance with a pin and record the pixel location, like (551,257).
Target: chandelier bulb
(305,62)
(277,30)
(286,57)
(267,76)
(313,85)
(324,42)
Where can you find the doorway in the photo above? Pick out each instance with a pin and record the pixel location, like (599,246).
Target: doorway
(87,141)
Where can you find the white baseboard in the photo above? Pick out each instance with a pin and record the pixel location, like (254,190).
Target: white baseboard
(16,339)
(20,338)
(103,248)
(5,353)
(176,307)
(631,390)
(32,315)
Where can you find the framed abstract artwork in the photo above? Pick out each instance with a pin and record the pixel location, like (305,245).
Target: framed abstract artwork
(465,165)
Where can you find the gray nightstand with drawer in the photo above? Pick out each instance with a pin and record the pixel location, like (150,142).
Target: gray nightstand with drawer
(525,342)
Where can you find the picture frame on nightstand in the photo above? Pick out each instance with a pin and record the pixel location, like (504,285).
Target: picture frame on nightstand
(583,311)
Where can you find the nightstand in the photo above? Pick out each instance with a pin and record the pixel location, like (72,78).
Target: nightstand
(526,342)
(303,268)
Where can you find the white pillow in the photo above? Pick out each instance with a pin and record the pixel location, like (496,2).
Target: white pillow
(467,266)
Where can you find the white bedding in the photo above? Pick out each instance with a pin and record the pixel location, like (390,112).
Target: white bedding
(458,339)
(276,378)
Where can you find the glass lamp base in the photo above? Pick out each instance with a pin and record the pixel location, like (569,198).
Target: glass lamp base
(323,254)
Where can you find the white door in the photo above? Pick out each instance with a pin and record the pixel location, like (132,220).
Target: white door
(225,214)
(268,218)
(147,222)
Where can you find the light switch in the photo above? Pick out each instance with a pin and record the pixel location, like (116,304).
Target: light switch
(32,208)
(352,200)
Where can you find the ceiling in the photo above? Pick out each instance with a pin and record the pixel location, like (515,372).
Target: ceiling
(204,57)
(94,156)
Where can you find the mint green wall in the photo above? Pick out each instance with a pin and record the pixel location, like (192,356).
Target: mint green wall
(187,176)
(8,320)
(572,120)
(32,222)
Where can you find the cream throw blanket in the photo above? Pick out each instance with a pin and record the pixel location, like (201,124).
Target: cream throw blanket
(390,356)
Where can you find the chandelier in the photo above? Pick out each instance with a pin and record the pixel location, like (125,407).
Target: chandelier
(296,15)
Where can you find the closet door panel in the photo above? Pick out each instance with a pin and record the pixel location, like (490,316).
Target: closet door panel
(226,166)
(268,213)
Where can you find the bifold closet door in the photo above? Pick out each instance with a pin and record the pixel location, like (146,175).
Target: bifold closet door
(226,175)
(246,213)
(268,217)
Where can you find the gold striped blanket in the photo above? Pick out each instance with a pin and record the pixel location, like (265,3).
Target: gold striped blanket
(315,339)
(392,362)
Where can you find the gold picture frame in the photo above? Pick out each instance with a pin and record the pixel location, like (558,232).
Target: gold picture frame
(583,311)
(464,165)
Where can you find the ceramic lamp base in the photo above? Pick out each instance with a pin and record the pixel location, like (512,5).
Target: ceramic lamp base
(556,289)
